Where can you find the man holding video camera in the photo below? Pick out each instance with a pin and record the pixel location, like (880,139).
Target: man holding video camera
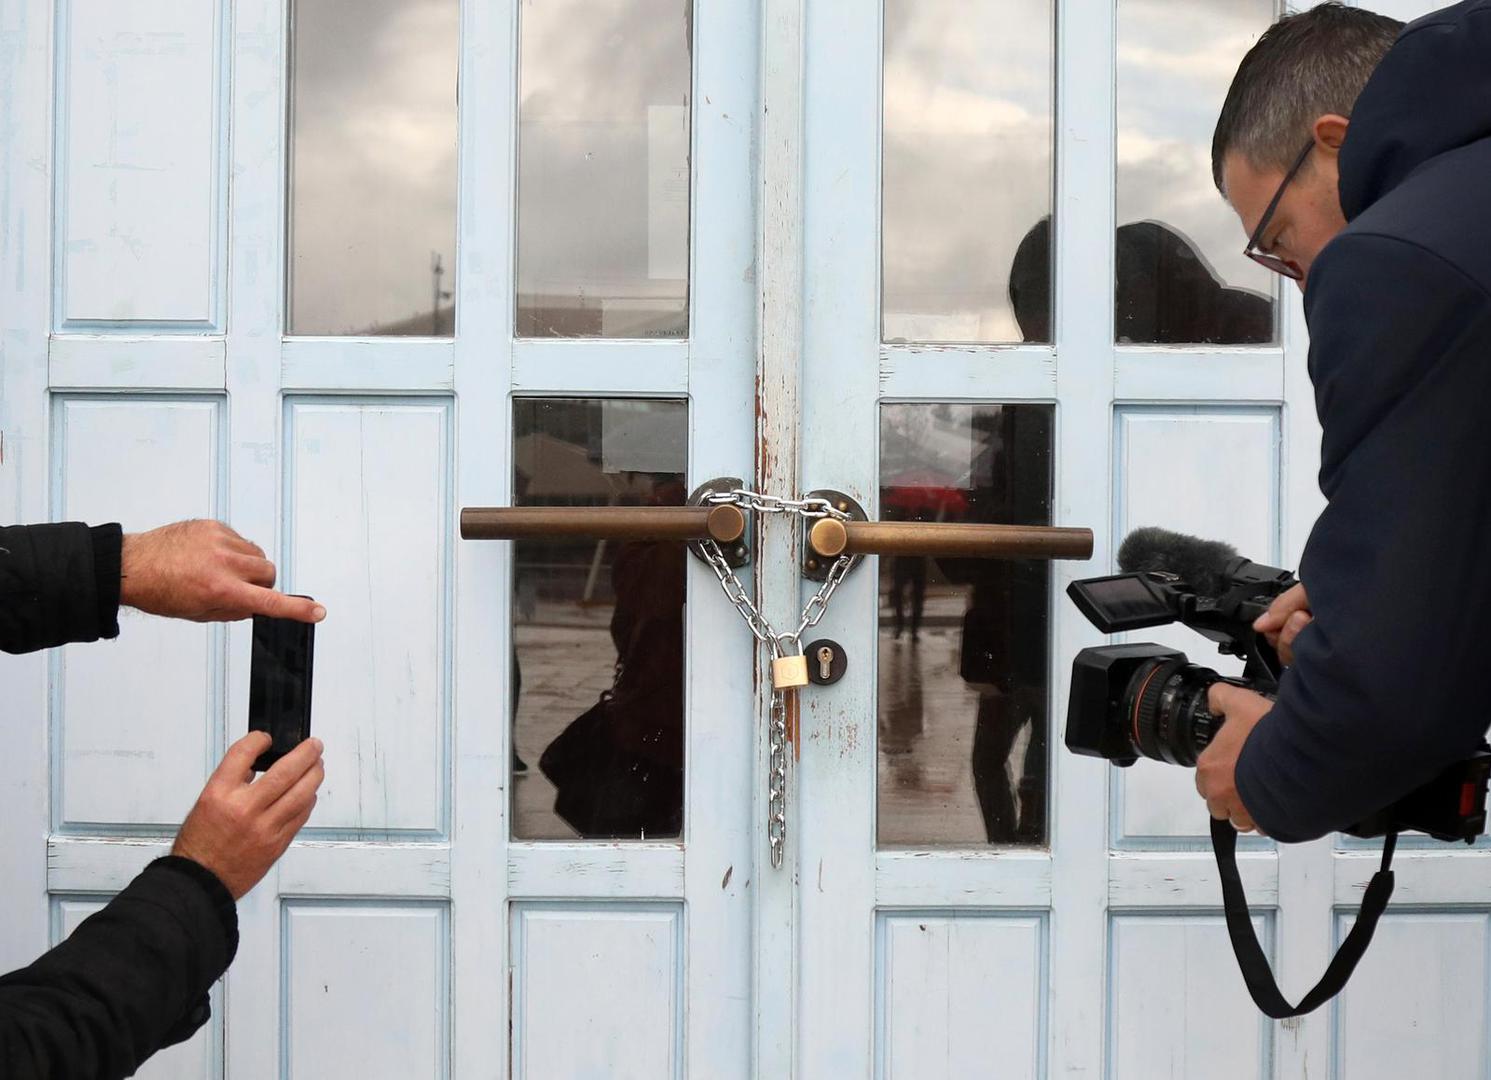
(134,977)
(1359,162)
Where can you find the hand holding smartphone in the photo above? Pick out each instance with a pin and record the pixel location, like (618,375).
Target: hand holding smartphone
(280,684)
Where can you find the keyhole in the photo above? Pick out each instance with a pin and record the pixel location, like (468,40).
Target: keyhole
(825,662)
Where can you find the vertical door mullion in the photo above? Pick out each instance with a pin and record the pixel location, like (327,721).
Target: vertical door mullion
(841,354)
(481,779)
(256,258)
(1304,931)
(721,815)
(1085,109)
(25,254)
(777,402)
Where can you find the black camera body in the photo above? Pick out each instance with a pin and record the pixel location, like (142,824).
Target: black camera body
(1146,700)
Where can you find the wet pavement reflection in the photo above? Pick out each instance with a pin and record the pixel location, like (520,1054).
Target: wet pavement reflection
(927,731)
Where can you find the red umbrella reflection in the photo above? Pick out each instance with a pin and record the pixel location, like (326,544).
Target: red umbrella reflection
(923,494)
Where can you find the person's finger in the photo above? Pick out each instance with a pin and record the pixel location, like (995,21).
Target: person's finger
(288,831)
(1218,809)
(1268,622)
(236,542)
(256,600)
(1277,613)
(286,772)
(1218,696)
(1284,605)
(254,569)
(1297,622)
(298,799)
(242,546)
(237,766)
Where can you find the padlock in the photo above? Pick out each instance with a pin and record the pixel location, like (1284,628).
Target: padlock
(789,672)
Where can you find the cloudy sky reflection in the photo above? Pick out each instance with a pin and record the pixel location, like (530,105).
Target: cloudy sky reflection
(603,172)
(603,168)
(968,147)
(967,161)
(1175,63)
(373,170)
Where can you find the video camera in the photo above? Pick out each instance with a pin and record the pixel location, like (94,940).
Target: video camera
(1144,700)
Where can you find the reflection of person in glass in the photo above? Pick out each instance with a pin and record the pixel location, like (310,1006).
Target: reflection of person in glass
(1004,649)
(618,768)
(1167,293)
(909,576)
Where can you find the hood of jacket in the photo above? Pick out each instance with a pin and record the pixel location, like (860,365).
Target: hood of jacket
(1430,95)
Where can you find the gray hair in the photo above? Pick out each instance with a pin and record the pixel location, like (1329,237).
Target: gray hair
(1304,67)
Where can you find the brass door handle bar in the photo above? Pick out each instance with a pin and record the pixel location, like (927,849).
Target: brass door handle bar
(830,538)
(723,524)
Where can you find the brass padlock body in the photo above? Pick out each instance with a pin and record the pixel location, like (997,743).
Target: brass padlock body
(788,672)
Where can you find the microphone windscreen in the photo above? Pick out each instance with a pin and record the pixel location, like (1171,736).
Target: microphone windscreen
(1200,563)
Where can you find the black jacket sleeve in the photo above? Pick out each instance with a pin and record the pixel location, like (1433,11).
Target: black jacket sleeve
(1385,687)
(131,980)
(58,583)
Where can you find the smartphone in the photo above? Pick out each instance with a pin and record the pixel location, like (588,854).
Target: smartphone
(280,684)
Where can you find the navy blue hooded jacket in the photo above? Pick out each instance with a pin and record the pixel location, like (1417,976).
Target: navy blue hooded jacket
(1390,681)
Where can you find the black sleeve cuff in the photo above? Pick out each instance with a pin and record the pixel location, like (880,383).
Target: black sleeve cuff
(217,893)
(108,553)
(199,1013)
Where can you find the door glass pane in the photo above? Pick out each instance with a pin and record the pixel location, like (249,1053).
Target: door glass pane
(372,243)
(598,627)
(967,166)
(1182,276)
(964,643)
(603,168)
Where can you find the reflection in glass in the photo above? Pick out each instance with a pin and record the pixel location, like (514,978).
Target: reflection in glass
(1182,277)
(964,643)
(598,627)
(372,191)
(603,168)
(967,162)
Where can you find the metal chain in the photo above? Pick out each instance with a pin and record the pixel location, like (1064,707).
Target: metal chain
(817,607)
(812,507)
(776,782)
(779,644)
(736,594)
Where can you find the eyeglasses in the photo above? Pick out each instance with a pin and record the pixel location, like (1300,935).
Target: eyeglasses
(1263,258)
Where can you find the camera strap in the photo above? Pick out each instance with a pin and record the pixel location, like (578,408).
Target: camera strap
(1255,970)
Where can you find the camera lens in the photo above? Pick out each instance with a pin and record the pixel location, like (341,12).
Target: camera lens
(1166,710)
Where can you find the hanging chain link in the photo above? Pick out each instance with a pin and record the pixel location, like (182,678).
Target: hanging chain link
(780,645)
(776,781)
(811,508)
(735,592)
(817,607)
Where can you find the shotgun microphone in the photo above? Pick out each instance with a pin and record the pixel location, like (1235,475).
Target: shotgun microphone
(1202,564)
